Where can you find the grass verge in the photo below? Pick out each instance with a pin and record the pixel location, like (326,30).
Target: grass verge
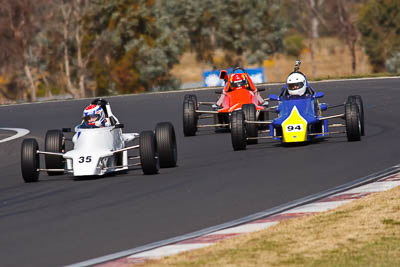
(364,232)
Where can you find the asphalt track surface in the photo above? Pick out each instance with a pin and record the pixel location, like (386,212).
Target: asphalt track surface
(60,221)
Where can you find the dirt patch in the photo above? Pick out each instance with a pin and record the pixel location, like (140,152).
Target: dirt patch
(332,59)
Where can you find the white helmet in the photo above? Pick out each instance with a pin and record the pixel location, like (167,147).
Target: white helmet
(296,84)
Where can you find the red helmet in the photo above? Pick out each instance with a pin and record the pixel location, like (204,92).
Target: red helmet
(239,81)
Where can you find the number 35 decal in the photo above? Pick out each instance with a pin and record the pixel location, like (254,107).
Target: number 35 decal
(85,159)
(294,128)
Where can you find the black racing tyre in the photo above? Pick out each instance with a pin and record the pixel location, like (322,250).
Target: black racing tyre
(353,123)
(54,142)
(190,117)
(238,130)
(264,116)
(217,121)
(166,144)
(225,119)
(194,99)
(221,118)
(148,153)
(358,100)
(250,114)
(30,161)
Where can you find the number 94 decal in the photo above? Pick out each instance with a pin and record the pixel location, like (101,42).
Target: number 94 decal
(294,128)
(86,159)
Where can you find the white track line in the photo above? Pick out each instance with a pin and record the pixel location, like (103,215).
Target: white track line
(169,250)
(374,187)
(20,132)
(246,228)
(317,207)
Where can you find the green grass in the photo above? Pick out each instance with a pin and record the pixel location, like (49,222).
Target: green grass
(382,251)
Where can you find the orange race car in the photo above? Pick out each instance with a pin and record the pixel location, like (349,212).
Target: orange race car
(238,93)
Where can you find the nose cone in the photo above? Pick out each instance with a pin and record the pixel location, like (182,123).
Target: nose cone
(86,165)
(294,127)
(83,163)
(240,96)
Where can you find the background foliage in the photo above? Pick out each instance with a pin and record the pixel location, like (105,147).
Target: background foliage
(380,28)
(105,47)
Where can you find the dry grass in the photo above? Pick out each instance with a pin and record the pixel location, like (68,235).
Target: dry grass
(362,233)
(332,59)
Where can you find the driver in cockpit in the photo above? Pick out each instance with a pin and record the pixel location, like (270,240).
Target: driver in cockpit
(93,117)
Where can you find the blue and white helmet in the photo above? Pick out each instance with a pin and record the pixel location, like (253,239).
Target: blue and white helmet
(93,116)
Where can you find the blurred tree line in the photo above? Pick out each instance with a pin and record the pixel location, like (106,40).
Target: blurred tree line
(106,47)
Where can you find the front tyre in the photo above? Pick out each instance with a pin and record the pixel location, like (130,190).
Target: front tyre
(189,117)
(166,144)
(54,142)
(353,123)
(238,130)
(30,161)
(250,114)
(358,100)
(147,152)
(193,98)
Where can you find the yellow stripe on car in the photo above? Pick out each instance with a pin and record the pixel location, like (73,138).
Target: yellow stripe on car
(294,128)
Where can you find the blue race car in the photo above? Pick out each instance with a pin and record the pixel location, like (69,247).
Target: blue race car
(299,116)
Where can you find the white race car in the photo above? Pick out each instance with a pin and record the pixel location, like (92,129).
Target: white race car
(98,151)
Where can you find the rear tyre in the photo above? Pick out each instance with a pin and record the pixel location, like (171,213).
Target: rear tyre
(264,116)
(221,118)
(238,130)
(353,123)
(358,100)
(189,117)
(54,142)
(249,111)
(217,120)
(30,161)
(148,153)
(166,144)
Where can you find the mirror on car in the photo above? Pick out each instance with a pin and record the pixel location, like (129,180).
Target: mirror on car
(223,74)
(273,97)
(218,92)
(319,94)
(119,126)
(261,88)
(66,130)
(323,106)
